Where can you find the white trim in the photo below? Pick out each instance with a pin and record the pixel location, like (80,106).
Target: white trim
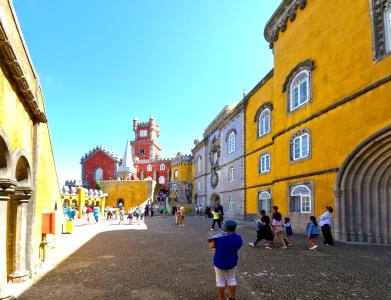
(231,204)
(264,121)
(231,142)
(162,167)
(264,163)
(162,180)
(96,175)
(296,85)
(303,152)
(304,192)
(149,167)
(230,174)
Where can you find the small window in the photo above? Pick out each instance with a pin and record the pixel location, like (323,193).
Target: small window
(231,204)
(143,133)
(176,173)
(142,175)
(199,164)
(149,167)
(199,186)
(231,174)
(264,201)
(264,163)
(231,142)
(264,122)
(98,174)
(387,26)
(162,167)
(301,146)
(142,152)
(300,199)
(299,92)
(162,180)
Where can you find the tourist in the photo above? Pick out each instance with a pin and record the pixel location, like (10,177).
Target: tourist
(90,214)
(197,211)
(258,224)
(146,210)
(182,214)
(264,232)
(174,210)
(325,221)
(152,210)
(208,213)
(288,231)
(105,212)
(277,226)
(121,216)
(219,208)
(312,232)
(130,216)
(226,245)
(84,211)
(70,213)
(109,213)
(96,214)
(216,219)
(137,214)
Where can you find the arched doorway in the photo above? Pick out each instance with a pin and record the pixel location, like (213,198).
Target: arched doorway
(363,192)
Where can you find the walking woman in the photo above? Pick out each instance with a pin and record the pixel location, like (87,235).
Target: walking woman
(277,226)
(325,221)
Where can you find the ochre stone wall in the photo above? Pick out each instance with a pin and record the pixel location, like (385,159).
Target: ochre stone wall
(133,192)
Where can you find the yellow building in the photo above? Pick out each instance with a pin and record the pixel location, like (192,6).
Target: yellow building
(182,172)
(28,179)
(130,193)
(318,126)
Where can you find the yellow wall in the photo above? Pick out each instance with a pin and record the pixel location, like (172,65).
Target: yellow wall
(134,192)
(185,173)
(344,68)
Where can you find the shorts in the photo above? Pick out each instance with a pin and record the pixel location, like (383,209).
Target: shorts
(223,276)
(288,231)
(314,236)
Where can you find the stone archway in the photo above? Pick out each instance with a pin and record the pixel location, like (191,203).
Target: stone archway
(363,192)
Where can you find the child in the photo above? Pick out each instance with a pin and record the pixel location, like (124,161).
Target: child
(216,219)
(312,232)
(258,223)
(288,231)
(226,245)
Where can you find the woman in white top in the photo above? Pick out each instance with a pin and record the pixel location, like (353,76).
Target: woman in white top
(325,221)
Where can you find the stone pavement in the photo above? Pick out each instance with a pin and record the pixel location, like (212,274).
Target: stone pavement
(163,261)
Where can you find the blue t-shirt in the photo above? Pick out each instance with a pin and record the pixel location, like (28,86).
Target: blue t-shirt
(226,254)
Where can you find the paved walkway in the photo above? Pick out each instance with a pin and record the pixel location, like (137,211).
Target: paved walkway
(163,261)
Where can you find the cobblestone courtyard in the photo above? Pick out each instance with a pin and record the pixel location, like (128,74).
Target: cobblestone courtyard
(170,262)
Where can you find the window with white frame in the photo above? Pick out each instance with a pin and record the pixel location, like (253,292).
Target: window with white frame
(198,186)
(142,175)
(162,167)
(300,199)
(264,201)
(149,167)
(143,133)
(231,174)
(264,122)
(231,142)
(264,163)
(299,90)
(162,180)
(387,26)
(231,204)
(300,146)
(199,163)
(176,173)
(98,174)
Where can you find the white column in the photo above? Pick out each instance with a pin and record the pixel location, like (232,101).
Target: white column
(7,186)
(21,199)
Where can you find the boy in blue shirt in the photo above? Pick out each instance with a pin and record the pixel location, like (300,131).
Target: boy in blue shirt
(227,245)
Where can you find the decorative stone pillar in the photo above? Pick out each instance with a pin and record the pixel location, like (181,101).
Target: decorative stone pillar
(7,187)
(21,199)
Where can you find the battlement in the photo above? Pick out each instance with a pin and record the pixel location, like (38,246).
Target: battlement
(154,160)
(180,159)
(109,153)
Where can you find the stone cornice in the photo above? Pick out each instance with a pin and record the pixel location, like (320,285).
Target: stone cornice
(279,20)
(15,58)
(23,193)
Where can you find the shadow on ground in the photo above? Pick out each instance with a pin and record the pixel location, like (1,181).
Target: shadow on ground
(170,262)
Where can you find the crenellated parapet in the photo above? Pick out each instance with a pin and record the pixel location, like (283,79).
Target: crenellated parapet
(109,153)
(180,159)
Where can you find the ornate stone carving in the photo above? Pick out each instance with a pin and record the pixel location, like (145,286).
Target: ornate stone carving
(214,156)
(268,105)
(278,22)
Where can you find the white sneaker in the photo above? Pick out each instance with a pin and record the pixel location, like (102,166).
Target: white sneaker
(314,247)
(251,244)
(211,229)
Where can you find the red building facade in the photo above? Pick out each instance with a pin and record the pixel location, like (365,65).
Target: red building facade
(102,164)
(99,164)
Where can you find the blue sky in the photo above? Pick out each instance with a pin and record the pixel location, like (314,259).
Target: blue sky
(103,62)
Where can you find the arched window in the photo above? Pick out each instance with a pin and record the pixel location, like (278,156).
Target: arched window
(264,163)
(300,146)
(162,180)
(264,201)
(231,204)
(300,199)
(176,173)
(231,174)
(264,122)
(199,163)
(149,167)
(231,142)
(142,175)
(162,167)
(299,90)
(98,174)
